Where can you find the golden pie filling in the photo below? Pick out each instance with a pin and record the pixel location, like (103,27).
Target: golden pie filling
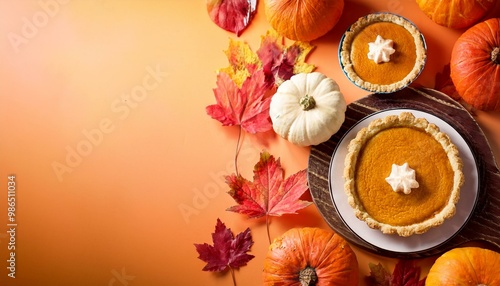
(424,155)
(384,154)
(401,62)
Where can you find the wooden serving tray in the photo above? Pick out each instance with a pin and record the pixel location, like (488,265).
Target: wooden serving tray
(484,223)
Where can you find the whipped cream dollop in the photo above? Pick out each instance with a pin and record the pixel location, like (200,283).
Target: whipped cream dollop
(402,178)
(381,50)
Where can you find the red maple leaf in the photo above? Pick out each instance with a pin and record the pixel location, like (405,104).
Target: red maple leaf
(405,273)
(232,15)
(444,84)
(247,106)
(227,251)
(270,54)
(281,62)
(270,194)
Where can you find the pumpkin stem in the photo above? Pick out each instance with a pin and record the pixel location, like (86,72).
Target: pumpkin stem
(308,277)
(307,102)
(495,57)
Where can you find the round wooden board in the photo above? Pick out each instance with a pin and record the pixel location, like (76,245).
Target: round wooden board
(484,223)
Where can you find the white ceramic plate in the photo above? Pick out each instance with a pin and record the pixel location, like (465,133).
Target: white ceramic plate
(415,243)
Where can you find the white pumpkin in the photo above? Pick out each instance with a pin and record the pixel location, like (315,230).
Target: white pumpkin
(307,109)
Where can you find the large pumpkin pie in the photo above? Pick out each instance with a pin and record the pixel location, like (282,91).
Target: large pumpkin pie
(382,52)
(403,175)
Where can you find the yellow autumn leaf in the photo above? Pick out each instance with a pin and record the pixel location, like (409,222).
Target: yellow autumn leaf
(241,58)
(300,63)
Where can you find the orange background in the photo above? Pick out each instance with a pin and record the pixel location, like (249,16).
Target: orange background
(126,84)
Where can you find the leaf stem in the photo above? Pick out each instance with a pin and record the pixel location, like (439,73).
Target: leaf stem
(267,226)
(232,275)
(238,142)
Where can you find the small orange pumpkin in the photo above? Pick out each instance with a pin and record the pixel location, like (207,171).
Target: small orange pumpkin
(456,14)
(465,266)
(475,65)
(303,20)
(310,256)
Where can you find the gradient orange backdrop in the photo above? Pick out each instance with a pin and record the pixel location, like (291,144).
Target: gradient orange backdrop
(119,170)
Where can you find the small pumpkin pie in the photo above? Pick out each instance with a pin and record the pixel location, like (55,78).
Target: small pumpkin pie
(402,175)
(382,52)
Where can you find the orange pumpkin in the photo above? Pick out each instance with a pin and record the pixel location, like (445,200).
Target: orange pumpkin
(465,266)
(456,14)
(475,65)
(310,256)
(303,20)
